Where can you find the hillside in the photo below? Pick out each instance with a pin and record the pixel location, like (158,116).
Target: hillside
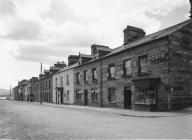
(4,92)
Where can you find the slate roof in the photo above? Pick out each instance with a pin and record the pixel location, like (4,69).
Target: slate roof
(152,37)
(155,36)
(67,68)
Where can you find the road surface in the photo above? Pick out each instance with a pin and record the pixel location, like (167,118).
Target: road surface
(24,121)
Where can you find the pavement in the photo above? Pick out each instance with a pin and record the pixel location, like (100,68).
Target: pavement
(122,112)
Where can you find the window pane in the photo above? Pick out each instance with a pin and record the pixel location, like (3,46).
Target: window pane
(112,71)
(128,64)
(143,64)
(127,67)
(112,96)
(128,71)
(143,61)
(94,74)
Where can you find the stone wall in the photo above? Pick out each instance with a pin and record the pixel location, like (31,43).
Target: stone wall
(181,68)
(82,86)
(154,70)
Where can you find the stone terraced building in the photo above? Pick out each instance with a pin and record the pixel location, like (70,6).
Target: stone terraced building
(151,72)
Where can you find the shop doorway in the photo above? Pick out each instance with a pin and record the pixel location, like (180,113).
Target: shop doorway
(86,96)
(127,98)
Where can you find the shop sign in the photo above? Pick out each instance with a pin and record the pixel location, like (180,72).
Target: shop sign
(157,57)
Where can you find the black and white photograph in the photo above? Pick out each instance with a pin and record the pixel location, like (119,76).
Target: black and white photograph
(95,69)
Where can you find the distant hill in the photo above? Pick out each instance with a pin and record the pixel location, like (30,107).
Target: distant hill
(4,92)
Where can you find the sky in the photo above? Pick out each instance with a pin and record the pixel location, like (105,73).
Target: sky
(47,31)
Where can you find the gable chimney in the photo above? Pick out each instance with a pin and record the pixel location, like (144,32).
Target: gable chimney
(72,59)
(191,9)
(132,34)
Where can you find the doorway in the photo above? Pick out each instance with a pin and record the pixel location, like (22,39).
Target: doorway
(86,96)
(127,98)
(61,94)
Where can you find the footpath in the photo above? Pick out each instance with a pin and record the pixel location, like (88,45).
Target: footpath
(122,112)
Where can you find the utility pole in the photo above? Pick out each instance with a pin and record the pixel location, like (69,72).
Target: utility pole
(10,93)
(41,85)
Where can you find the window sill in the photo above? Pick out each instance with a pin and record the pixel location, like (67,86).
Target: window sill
(111,78)
(95,101)
(94,81)
(127,76)
(143,74)
(112,102)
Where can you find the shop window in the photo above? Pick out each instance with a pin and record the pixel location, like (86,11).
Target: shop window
(143,63)
(145,91)
(78,95)
(127,68)
(86,76)
(94,93)
(112,96)
(94,74)
(78,78)
(111,71)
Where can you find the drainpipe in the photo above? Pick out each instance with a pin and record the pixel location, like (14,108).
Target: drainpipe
(101,84)
(169,72)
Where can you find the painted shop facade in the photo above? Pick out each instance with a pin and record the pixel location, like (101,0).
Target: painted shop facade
(63,86)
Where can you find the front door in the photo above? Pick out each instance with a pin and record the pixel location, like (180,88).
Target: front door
(86,96)
(61,94)
(127,98)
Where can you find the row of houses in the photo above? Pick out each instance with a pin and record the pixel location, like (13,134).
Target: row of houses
(152,72)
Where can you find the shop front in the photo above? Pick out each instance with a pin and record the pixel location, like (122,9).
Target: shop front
(145,93)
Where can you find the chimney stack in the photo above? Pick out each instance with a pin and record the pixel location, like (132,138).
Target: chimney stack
(191,8)
(132,34)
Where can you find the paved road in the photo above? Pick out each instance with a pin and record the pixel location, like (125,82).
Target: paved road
(25,121)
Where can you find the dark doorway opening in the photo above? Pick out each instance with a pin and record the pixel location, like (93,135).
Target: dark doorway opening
(127,98)
(61,96)
(86,96)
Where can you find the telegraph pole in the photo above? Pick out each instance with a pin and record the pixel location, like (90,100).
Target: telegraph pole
(41,85)
(10,93)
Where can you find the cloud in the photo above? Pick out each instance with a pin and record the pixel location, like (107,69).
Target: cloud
(59,12)
(7,7)
(4,92)
(66,27)
(41,53)
(23,30)
(170,17)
